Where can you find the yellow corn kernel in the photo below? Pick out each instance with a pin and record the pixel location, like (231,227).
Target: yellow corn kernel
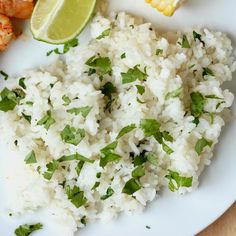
(167,7)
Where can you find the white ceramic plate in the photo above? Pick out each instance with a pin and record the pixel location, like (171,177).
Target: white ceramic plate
(169,214)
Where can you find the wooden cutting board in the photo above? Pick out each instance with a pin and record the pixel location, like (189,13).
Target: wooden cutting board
(224,226)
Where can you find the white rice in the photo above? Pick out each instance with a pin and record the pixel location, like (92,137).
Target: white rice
(29,191)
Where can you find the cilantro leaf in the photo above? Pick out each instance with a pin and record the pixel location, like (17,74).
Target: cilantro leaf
(72,136)
(108,154)
(79,167)
(159,52)
(180,181)
(73,157)
(28,118)
(108,89)
(66,99)
(131,187)
(25,230)
(201,144)
(174,94)
(207,71)
(132,75)
(108,194)
(22,83)
(167,149)
(123,56)
(199,37)
(197,104)
(83,110)
(95,185)
(30,158)
(212,96)
(101,63)
(47,120)
(149,127)
(152,158)
(141,89)
(138,172)
(104,34)
(126,130)
(140,159)
(166,135)
(4,75)
(76,196)
(218,104)
(185,42)
(51,168)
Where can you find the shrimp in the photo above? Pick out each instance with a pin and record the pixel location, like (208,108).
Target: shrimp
(6,32)
(21,9)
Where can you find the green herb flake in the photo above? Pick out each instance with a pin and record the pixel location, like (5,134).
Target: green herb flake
(30,158)
(126,130)
(29,103)
(74,157)
(22,83)
(139,101)
(47,120)
(167,149)
(185,42)
(218,104)
(9,100)
(197,104)
(108,194)
(83,110)
(98,175)
(141,89)
(108,154)
(67,46)
(138,172)
(104,34)
(201,144)
(149,127)
(166,135)
(51,168)
(174,94)
(101,63)
(123,56)
(131,187)
(72,136)
(79,167)
(4,75)
(199,37)
(108,89)
(25,230)
(207,71)
(140,159)
(176,181)
(83,221)
(159,52)
(26,117)
(152,158)
(76,196)
(132,75)
(95,185)
(66,99)
(212,96)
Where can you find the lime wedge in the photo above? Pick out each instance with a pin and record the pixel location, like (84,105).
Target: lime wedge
(59,21)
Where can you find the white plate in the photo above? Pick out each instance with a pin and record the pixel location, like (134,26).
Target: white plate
(169,214)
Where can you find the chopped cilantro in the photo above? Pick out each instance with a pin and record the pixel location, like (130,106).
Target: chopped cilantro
(176,181)
(101,63)
(79,167)
(29,103)
(104,34)
(4,75)
(197,104)
(185,42)
(108,89)
(51,168)
(91,71)
(141,89)
(67,46)
(108,194)
(47,120)
(83,110)
(131,187)
(22,83)
(25,230)
(95,185)
(66,99)
(140,159)
(31,158)
(152,158)
(207,71)
(76,196)
(167,149)
(149,126)
(212,96)
(166,135)
(132,75)
(201,144)
(123,56)
(73,157)
(199,37)
(159,52)
(108,154)
(218,104)
(126,130)
(98,175)
(139,101)
(28,118)
(72,136)
(83,220)
(138,172)
(174,94)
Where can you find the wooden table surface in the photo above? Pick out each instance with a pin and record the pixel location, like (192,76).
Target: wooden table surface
(224,226)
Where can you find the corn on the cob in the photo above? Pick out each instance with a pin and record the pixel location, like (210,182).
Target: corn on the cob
(167,7)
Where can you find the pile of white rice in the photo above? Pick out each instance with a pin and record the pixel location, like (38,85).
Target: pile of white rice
(168,68)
